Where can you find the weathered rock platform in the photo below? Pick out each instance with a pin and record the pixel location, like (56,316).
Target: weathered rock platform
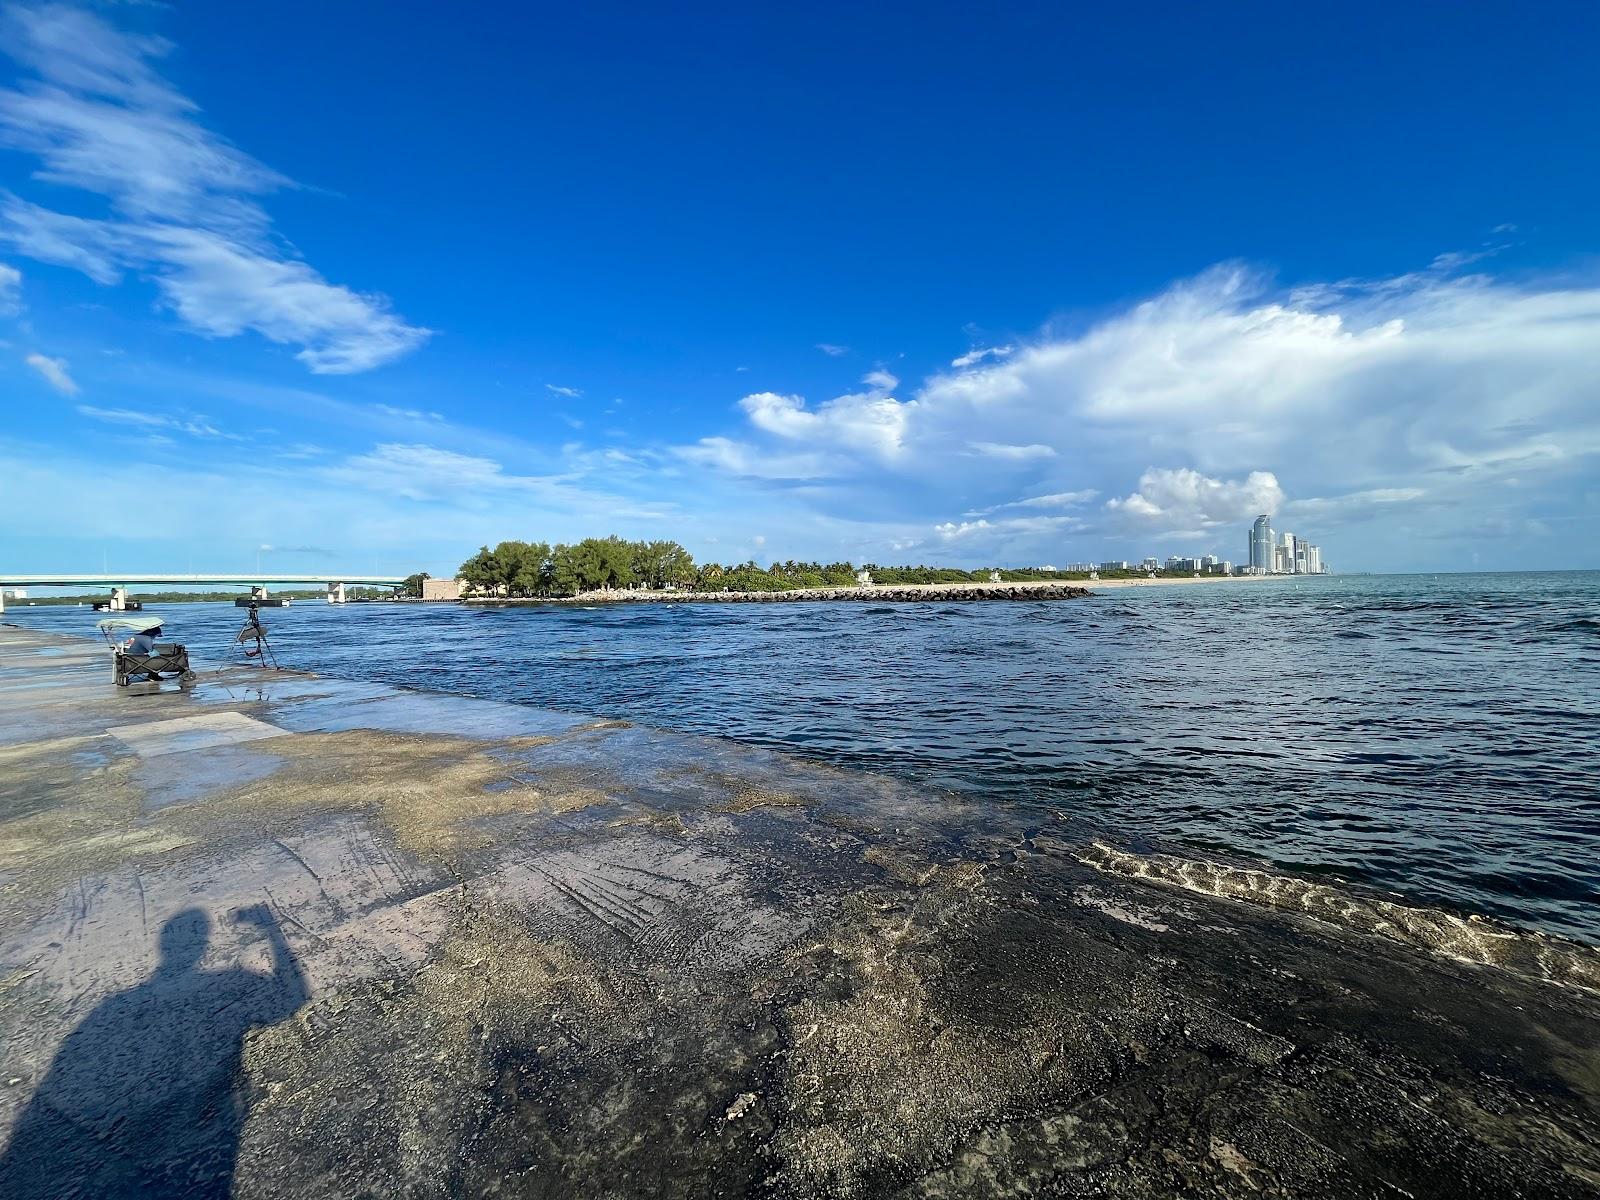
(283,936)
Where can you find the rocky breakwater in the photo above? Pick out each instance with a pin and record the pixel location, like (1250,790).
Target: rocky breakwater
(875,595)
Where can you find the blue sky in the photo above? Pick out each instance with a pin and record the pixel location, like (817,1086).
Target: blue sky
(373,284)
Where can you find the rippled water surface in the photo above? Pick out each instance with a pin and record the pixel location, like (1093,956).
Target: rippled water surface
(1435,736)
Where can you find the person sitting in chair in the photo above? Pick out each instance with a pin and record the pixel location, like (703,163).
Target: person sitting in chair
(144,642)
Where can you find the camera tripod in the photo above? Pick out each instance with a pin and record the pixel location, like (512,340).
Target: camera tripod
(255,632)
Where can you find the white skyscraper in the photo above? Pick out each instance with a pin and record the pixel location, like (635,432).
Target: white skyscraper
(1283,555)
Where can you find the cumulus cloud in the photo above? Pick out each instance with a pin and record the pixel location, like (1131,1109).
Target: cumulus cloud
(10,291)
(1409,393)
(868,423)
(880,380)
(1185,499)
(55,373)
(98,117)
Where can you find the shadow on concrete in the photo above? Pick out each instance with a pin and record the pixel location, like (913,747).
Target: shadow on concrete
(144,1097)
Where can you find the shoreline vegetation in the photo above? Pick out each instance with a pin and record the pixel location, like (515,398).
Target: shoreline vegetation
(613,569)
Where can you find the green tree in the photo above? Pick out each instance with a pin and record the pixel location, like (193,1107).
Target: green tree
(480,572)
(526,564)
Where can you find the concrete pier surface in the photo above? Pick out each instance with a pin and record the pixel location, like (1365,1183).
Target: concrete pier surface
(283,936)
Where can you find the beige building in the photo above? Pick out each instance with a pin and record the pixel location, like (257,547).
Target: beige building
(441,589)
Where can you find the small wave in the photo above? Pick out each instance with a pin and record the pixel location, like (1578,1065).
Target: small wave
(1471,939)
(1577,625)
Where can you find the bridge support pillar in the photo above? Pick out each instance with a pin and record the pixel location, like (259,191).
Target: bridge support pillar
(2,600)
(336,593)
(119,599)
(258,591)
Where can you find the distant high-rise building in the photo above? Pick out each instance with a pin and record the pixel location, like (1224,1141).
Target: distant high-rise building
(1283,554)
(1261,545)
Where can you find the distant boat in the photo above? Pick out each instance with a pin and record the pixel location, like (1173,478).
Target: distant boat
(129,606)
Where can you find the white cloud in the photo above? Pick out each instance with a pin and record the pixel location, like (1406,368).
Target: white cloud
(98,118)
(986,536)
(977,355)
(1352,506)
(1186,499)
(10,291)
(831,350)
(199,427)
(409,414)
(950,531)
(570,393)
(880,380)
(121,416)
(1360,392)
(743,460)
(97,248)
(1053,500)
(869,423)
(55,373)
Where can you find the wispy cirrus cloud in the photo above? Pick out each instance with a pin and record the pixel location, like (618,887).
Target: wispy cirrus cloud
(1055,500)
(183,201)
(1014,453)
(10,291)
(200,427)
(978,354)
(55,372)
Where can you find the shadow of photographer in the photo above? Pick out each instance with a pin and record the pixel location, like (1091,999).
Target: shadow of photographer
(144,1098)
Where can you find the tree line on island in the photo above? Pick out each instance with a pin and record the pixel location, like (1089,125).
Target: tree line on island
(538,569)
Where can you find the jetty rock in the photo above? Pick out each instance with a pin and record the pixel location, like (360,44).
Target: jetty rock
(917,593)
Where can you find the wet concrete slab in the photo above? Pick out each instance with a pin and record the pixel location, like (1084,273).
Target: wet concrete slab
(422,945)
(150,739)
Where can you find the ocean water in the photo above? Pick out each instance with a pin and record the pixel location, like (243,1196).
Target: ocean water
(1435,737)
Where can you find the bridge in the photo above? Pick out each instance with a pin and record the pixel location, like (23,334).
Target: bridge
(120,583)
